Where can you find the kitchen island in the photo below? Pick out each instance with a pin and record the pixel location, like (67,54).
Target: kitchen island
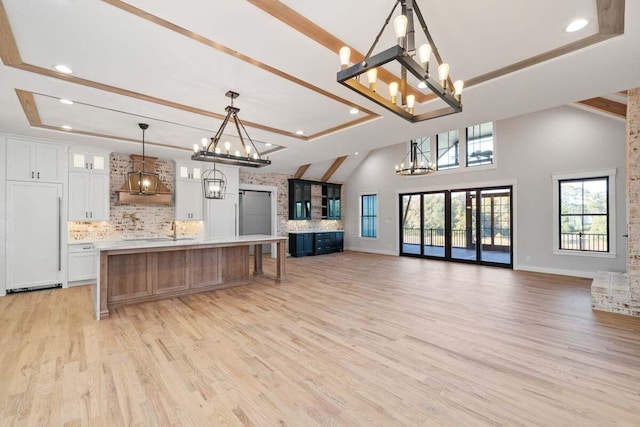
(151,269)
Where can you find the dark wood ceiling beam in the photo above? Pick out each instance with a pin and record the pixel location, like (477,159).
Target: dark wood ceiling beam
(333,168)
(301,171)
(606,105)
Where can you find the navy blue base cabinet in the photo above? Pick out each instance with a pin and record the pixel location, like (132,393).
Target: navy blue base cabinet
(305,244)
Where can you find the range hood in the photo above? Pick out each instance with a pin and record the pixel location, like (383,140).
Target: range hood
(162,196)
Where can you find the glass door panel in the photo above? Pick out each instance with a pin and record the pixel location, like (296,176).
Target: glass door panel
(410,225)
(473,225)
(433,210)
(463,225)
(495,225)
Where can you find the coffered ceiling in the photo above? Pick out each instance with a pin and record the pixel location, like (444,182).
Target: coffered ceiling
(170,63)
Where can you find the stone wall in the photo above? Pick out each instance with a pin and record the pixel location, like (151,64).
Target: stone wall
(152,220)
(284,224)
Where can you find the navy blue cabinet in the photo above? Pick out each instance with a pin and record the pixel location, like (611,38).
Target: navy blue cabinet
(325,242)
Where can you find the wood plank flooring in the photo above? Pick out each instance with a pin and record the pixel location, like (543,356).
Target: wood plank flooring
(351,339)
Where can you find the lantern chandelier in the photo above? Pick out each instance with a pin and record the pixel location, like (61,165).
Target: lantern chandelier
(248,155)
(402,97)
(415,162)
(143,182)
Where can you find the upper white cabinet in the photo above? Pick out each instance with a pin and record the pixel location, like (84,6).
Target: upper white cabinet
(35,161)
(188,192)
(88,197)
(188,171)
(88,185)
(87,160)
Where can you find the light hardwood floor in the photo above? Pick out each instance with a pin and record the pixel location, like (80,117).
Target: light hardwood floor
(351,339)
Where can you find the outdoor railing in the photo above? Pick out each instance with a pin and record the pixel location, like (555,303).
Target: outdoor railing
(584,242)
(435,237)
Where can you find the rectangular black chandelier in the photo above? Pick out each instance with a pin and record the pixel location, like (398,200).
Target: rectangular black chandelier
(400,100)
(248,155)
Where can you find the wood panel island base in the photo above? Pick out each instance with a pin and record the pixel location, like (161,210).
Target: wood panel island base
(146,270)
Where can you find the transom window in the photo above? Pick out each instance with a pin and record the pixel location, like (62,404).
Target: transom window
(480,144)
(584,214)
(424,145)
(448,150)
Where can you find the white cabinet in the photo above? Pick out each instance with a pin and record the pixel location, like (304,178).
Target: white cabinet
(35,161)
(222,215)
(188,171)
(81,159)
(34,234)
(82,261)
(188,192)
(189,200)
(88,197)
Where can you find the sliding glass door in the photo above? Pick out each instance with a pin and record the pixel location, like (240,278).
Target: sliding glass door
(473,225)
(495,225)
(463,225)
(433,218)
(411,224)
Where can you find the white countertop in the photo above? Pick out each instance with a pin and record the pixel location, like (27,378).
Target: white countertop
(316,231)
(155,242)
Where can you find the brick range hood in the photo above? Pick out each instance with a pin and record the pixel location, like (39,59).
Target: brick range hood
(162,196)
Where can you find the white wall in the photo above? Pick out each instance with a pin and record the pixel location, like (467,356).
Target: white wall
(3,213)
(529,150)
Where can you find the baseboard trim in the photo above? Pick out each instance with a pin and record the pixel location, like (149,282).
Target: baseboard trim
(559,271)
(371,251)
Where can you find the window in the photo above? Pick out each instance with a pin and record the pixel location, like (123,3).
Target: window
(448,150)
(584,214)
(424,146)
(480,144)
(369,215)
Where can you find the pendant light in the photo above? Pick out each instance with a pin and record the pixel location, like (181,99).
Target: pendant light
(244,154)
(142,182)
(214,184)
(415,162)
(411,60)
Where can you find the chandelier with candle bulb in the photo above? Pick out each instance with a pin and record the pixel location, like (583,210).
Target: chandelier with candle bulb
(401,98)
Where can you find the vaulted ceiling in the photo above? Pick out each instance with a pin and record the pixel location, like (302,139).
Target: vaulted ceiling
(170,63)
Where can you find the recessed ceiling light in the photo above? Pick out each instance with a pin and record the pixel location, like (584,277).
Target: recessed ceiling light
(66,127)
(299,132)
(422,85)
(576,24)
(354,111)
(63,69)
(66,101)
(268,144)
(356,153)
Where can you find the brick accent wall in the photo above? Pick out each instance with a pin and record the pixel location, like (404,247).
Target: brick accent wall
(284,225)
(620,292)
(633,195)
(153,220)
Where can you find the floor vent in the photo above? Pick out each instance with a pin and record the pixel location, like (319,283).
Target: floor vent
(34,288)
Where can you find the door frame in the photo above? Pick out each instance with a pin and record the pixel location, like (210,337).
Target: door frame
(462,188)
(273,190)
